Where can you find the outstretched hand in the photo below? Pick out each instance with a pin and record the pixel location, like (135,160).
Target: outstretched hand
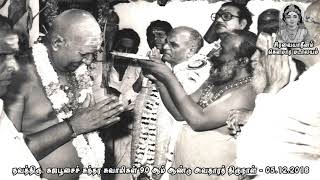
(101,114)
(155,68)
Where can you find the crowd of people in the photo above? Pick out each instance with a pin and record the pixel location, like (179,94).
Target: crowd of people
(70,110)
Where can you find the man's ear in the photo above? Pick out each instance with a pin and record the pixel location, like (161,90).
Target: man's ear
(190,52)
(243,23)
(57,42)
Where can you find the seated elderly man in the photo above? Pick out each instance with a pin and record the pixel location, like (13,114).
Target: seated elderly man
(283,131)
(54,93)
(204,140)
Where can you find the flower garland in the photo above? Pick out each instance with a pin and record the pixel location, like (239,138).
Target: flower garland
(146,148)
(65,100)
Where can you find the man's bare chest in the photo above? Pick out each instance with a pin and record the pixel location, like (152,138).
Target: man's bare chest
(38,112)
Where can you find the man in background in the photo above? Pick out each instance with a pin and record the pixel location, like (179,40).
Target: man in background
(157,33)
(123,75)
(124,72)
(231,16)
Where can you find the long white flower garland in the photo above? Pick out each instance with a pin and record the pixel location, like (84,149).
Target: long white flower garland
(92,150)
(146,148)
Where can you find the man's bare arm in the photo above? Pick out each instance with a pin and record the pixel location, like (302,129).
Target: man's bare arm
(102,114)
(44,142)
(215,115)
(14,107)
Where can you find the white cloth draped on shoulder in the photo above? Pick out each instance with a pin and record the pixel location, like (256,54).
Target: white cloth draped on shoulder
(14,153)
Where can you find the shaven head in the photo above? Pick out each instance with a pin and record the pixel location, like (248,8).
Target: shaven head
(312,23)
(77,25)
(74,38)
(312,16)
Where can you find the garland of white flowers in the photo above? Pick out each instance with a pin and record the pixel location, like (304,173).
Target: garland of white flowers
(146,149)
(90,151)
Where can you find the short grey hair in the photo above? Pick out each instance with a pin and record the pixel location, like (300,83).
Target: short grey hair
(196,40)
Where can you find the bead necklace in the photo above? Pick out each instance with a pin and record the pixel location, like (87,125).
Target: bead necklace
(208,95)
(292,34)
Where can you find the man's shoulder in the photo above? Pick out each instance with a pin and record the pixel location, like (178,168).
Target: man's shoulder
(198,64)
(24,79)
(247,92)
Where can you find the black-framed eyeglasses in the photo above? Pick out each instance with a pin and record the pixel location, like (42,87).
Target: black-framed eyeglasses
(226,16)
(311,20)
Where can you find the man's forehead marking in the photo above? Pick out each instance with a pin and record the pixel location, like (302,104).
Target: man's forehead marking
(92,41)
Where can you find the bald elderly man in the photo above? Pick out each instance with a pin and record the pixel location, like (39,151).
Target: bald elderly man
(56,88)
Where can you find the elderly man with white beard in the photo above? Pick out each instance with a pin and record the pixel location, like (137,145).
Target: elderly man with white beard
(204,141)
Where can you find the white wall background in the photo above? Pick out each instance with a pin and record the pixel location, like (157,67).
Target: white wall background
(196,14)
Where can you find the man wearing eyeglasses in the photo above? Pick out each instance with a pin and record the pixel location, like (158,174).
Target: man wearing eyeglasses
(231,16)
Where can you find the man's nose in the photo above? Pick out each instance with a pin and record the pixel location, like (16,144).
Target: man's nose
(219,19)
(158,38)
(12,65)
